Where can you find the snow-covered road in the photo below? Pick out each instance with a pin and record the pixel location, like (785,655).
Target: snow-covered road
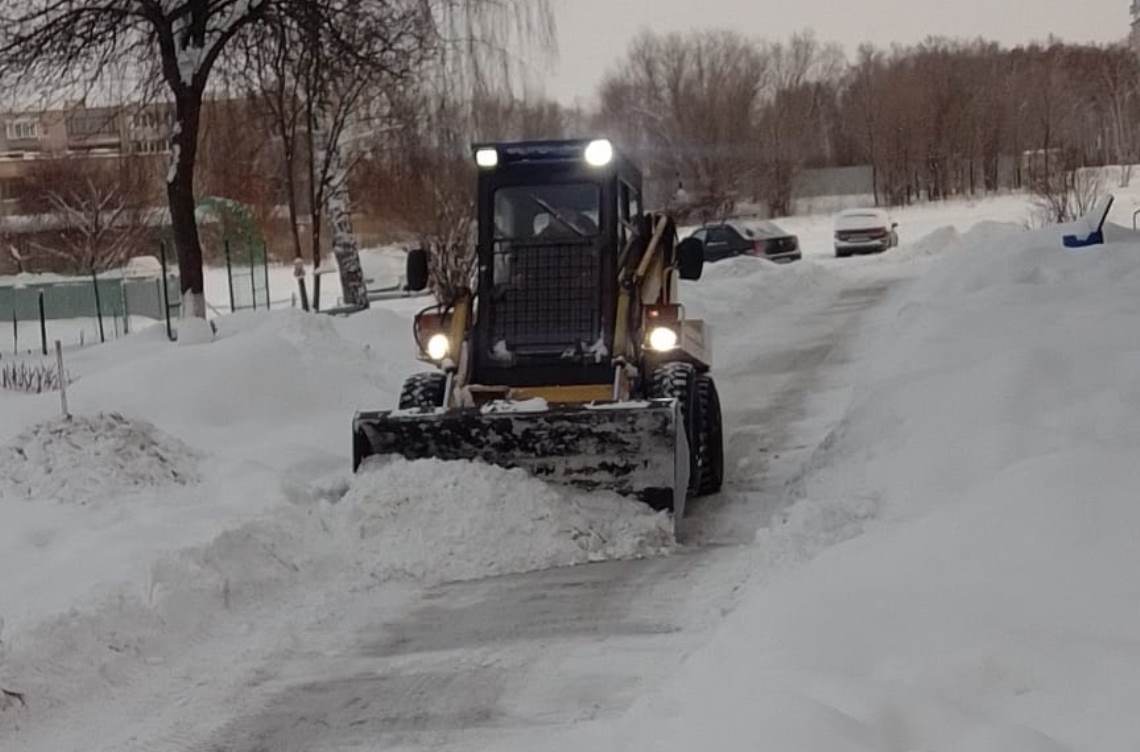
(925,540)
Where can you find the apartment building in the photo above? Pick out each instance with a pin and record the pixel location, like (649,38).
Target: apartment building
(85,132)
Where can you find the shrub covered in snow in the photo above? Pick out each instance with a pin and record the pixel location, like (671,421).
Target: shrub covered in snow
(30,379)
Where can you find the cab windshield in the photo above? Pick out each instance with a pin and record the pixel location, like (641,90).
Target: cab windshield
(547,212)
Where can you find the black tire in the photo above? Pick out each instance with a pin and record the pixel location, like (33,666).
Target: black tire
(423,390)
(679,381)
(710,445)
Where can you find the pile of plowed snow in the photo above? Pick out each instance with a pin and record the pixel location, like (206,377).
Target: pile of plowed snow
(960,571)
(433,520)
(88,458)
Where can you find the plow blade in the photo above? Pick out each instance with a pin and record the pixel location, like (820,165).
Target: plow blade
(635,449)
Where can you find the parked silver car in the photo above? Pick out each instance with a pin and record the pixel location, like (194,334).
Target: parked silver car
(864,231)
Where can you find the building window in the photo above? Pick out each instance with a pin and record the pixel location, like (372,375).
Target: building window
(151,120)
(150,146)
(88,124)
(23,129)
(12,189)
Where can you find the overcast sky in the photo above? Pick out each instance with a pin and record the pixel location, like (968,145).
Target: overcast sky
(594,33)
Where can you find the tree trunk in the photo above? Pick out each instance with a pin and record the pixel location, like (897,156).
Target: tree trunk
(345,248)
(316,199)
(289,164)
(180,193)
(291,196)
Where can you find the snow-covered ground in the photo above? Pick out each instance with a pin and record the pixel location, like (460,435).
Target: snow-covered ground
(958,571)
(929,512)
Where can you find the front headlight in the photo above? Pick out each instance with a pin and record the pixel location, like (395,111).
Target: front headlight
(663,339)
(438,347)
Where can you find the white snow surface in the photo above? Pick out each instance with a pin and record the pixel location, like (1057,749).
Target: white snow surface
(194,331)
(533,405)
(955,571)
(87,459)
(193,483)
(433,521)
(959,570)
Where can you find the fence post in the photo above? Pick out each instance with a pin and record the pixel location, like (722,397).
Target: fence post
(265,268)
(62,379)
(98,304)
(252,275)
(43,324)
(15,332)
(316,290)
(229,273)
(165,291)
(126,307)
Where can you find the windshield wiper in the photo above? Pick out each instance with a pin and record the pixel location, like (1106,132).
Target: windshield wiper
(554,213)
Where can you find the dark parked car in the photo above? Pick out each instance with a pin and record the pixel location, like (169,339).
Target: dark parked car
(749,238)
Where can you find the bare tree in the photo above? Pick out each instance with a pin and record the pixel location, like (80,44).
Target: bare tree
(436,181)
(422,178)
(59,42)
(804,74)
(1118,79)
(234,160)
(92,219)
(1066,193)
(330,107)
(865,101)
(687,106)
(269,74)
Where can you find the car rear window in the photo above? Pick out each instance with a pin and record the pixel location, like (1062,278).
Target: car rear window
(763,230)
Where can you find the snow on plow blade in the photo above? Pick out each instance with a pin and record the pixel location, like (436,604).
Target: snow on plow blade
(635,449)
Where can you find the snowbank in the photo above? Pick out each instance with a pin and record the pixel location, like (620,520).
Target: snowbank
(422,522)
(959,573)
(85,459)
(435,521)
(159,548)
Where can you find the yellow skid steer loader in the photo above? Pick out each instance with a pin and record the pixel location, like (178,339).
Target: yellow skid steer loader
(572,357)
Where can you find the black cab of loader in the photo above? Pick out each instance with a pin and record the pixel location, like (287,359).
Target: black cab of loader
(553,218)
(572,356)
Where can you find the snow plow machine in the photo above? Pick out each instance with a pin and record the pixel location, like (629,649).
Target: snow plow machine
(570,356)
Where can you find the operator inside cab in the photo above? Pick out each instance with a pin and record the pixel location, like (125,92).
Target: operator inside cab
(547,212)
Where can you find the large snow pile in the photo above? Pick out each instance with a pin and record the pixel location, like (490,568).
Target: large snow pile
(434,520)
(87,458)
(960,572)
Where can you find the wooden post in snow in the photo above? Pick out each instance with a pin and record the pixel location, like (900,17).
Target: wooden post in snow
(62,380)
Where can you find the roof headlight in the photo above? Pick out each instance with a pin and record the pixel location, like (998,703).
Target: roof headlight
(487,158)
(600,153)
